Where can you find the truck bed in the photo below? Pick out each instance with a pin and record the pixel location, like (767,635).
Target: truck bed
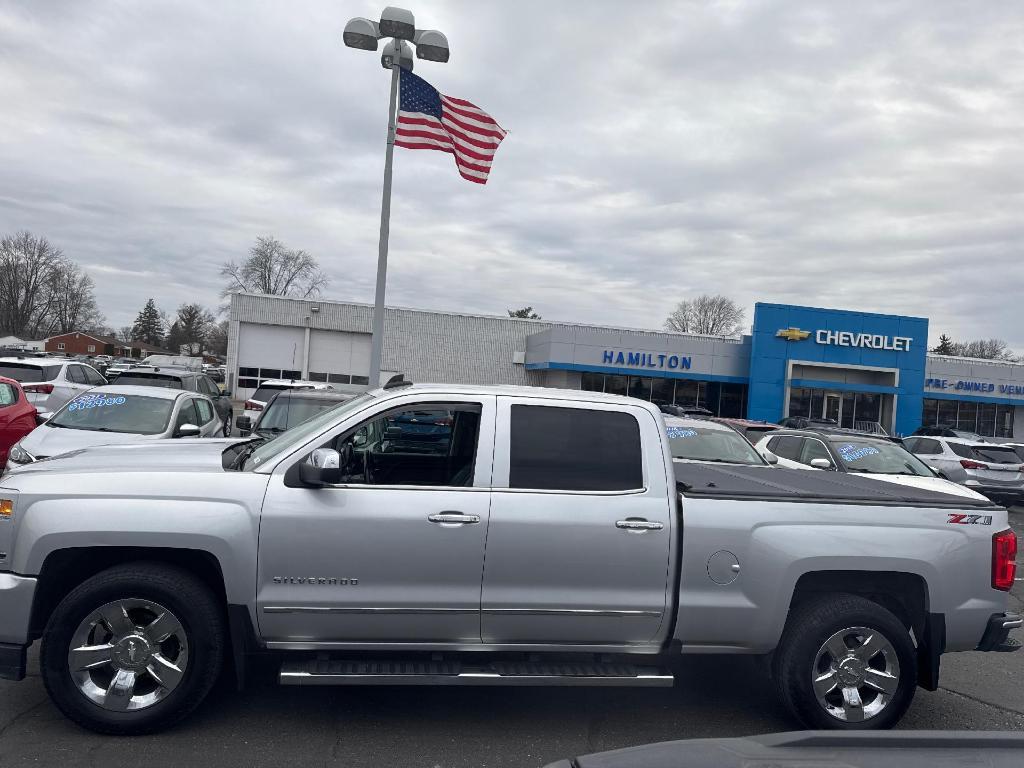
(800,485)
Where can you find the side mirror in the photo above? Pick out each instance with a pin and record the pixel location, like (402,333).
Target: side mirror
(244,424)
(821,464)
(321,468)
(42,417)
(770,457)
(187,430)
(225,393)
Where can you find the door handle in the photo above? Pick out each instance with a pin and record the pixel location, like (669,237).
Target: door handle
(453,517)
(638,525)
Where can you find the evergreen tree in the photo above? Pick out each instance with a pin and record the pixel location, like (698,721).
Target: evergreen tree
(945,346)
(148,327)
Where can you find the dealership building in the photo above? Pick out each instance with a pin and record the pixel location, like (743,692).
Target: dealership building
(858,368)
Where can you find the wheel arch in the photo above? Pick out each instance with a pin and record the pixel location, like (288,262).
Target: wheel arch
(904,594)
(65,569)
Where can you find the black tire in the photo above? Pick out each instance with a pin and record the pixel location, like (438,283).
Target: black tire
(201,618)
(808,628)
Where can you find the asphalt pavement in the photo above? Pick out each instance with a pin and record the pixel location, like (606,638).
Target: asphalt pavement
(273,726)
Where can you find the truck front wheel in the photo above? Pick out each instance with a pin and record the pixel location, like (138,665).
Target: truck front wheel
(845,662)
(133,649)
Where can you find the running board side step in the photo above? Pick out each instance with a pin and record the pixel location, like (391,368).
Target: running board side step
(342,672)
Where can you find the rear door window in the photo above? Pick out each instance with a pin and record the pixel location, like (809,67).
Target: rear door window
(93,377)
(962,450)
(76,374)
(574,449)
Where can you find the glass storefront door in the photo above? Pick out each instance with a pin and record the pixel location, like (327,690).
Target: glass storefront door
(833,406)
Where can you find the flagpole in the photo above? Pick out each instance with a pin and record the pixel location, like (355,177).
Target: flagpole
(377,338)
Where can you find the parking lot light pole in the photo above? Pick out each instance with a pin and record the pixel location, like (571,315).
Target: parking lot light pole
(399,25)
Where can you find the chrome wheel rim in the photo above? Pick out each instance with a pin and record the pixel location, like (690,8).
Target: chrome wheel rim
(128,655)
(855,675)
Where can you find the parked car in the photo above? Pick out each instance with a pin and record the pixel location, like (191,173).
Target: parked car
(878,457)
(145,568)
(287,409)
(17,416)
(947,430)
(120,414)
(704,440)
(119,366)
(990,469)
(186,379)
(751,429)
(259,399)
(49,382)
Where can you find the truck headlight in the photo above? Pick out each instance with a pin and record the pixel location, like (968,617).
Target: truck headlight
(19,455)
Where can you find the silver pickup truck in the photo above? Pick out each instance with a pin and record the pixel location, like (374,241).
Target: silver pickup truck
(458,535)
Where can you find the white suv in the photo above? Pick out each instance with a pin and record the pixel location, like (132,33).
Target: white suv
(990,469)
(50,382)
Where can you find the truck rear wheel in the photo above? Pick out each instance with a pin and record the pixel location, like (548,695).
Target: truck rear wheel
(133,649)
(846,663)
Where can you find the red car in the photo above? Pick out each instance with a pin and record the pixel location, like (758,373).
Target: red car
(17,416)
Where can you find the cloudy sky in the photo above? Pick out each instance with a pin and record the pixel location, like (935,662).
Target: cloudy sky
(857,155)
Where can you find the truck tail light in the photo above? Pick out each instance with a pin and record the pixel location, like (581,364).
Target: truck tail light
(1004,560)
(38,389)
(968,464)
(252,405)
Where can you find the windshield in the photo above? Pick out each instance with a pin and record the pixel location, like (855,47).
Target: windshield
(300,434)
(878,457)
(286,412)
(28,374)
(148,380)
(704,444)
(113,412)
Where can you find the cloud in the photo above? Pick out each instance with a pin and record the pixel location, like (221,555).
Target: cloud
(863,156)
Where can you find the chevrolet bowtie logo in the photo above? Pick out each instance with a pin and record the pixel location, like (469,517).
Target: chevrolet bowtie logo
(793,334)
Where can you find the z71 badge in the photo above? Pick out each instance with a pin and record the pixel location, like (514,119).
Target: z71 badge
(970,519)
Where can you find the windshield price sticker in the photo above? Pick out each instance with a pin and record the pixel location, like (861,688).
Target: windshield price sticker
(853,453)
(95,401)
(674,432)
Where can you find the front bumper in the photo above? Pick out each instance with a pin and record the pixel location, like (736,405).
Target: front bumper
(16,594)
(997,633)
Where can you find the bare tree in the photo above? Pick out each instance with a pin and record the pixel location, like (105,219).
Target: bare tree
(985,349)
(274,268)
(217,338)
(189,329)
(73,305)
(712,315)
(28,267)
(41,291)
(125,334)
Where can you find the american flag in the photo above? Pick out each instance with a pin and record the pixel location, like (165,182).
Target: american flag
(430,120)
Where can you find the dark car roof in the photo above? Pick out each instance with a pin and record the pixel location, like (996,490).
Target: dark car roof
(312,395)
(828,434)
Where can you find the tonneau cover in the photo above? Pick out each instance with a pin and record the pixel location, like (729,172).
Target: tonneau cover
(731,481)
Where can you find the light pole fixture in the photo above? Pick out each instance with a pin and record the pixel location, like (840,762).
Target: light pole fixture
(399,25)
